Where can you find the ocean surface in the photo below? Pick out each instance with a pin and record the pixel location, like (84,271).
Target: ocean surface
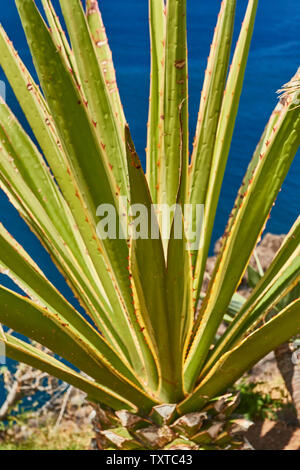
(274,58)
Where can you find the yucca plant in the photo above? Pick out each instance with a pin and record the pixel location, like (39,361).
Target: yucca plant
(148,343)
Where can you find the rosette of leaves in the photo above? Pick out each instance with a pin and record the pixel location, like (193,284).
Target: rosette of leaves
(146,344)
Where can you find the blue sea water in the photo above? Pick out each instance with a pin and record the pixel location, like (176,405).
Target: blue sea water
(274,58)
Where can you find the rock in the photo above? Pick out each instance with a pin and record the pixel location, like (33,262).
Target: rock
(267,249)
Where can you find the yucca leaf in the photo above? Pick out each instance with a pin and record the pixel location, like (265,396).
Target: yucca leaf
(288,253)
(253,212)
(27,182)
(13,178)
(253,276)
(60,37)
(70,114)
(30,98)
(97,94)
(225,130)
(62,317)
(236,304)
(235,362)
(37,113)
(292,295)
(210,105)
(155,139)
(148,335)
(19,266)
(29,163)
(258,264)
(2,335)
(148,268)
(260,150)
(179,293)
(174,164)
(58,334)
(257,307)
(214,84)
(104,56)
(285,282)
(24,352)
(108,323)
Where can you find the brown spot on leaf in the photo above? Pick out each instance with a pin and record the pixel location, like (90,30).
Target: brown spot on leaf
(93,8)
(179,64)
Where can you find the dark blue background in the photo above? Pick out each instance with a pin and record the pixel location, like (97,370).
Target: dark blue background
(274,58)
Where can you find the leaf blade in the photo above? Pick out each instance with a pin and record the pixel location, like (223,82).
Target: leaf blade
(254,210)
(155,145)
(23,352)
(58,335)
(238,360)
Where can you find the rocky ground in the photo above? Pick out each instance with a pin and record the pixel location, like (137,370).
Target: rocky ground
(284,432)
(63,425)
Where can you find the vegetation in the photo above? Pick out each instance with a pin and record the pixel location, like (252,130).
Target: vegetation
(257,404)
(158,362)
(41,435)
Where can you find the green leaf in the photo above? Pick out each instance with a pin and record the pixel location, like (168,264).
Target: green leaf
(253,276)
(148,268)
(257,307)
(104,56)
(280,286)
(235,362)
(292,295)
(277,277)
(71,114)
(97,94)
(225,130)
(30,187)
(210,105)
(174,164)
(155,139)
(23,352)
(239,243)
(68,111)
(60,37)
(236,303)
(58,333)
(20,267)
(179,292)
(40,120)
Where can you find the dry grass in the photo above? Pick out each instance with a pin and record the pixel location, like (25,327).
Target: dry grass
(31,433)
